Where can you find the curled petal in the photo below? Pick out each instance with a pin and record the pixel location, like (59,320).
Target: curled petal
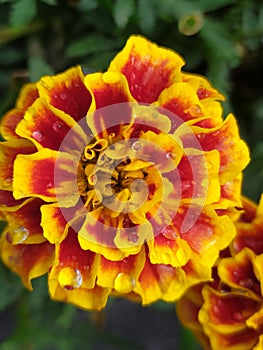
(47,127)
(202,87)
(226,313)
(108,89)
(34,175)
(148,68)
(162,250)
(234,153)
(24,223)
(66,92)
(28,95)
(27,260)
(181,100)
(73,275)
(8,152)
(237,272)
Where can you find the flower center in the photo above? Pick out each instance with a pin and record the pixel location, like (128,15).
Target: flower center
(112,176)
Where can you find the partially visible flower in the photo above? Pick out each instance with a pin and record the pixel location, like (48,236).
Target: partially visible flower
(228,312)
(120,182)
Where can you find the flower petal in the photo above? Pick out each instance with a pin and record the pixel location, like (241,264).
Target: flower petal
(148,68)
(122,276)
(97,234)
(162,250)
(47,127)
(226,313)
(108,89)
(237,272)
(73,275)
(28,95)
(234,153)
(66,92)
(24,224)
(182,101)
(27,260)
(202,87)
(208,232)
(35,175)
(8,152)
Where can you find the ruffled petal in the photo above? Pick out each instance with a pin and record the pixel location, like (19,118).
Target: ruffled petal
(28,94)
(66,92)
(207,233)
(226,313)
(48,175)
(107,90)
(148,68)
(27,260)
(24,224)
(202,87)
(169,251)
(238,272)
(47,127)
(73,275)
(121,276)
(234,155)
(182,101)
(8,152)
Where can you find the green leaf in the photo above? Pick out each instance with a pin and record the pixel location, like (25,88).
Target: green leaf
(122,11)
(11,287)
(87,5)
(38,68)
(50,2)
(147,15)
(90,44)
(22,12)
(221,45)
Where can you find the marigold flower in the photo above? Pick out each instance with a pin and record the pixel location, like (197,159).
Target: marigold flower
(117,183)
(227,313)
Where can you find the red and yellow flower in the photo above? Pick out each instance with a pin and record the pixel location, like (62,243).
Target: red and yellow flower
(119,183)
(228,312)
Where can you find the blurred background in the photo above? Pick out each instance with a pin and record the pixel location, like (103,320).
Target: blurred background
(222,39)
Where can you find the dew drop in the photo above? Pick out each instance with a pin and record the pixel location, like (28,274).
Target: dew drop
(7,182)
(63,96)
(133,237)
(170,155)
(18,194)
(124,283)
(57,126)
(136,146)
(38,135)
(49,185)
(237,316)
(19,235)
(70,278)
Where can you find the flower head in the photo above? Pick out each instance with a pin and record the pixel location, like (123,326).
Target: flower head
(227,313)
(119,182)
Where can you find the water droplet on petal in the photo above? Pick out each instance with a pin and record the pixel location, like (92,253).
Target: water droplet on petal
(38,135)
(7,182)
(57,126)
(133,237)
(170,155)
(136,146)
(18,194)
(19,235)
(63,96)
(124,283)
(70,278)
